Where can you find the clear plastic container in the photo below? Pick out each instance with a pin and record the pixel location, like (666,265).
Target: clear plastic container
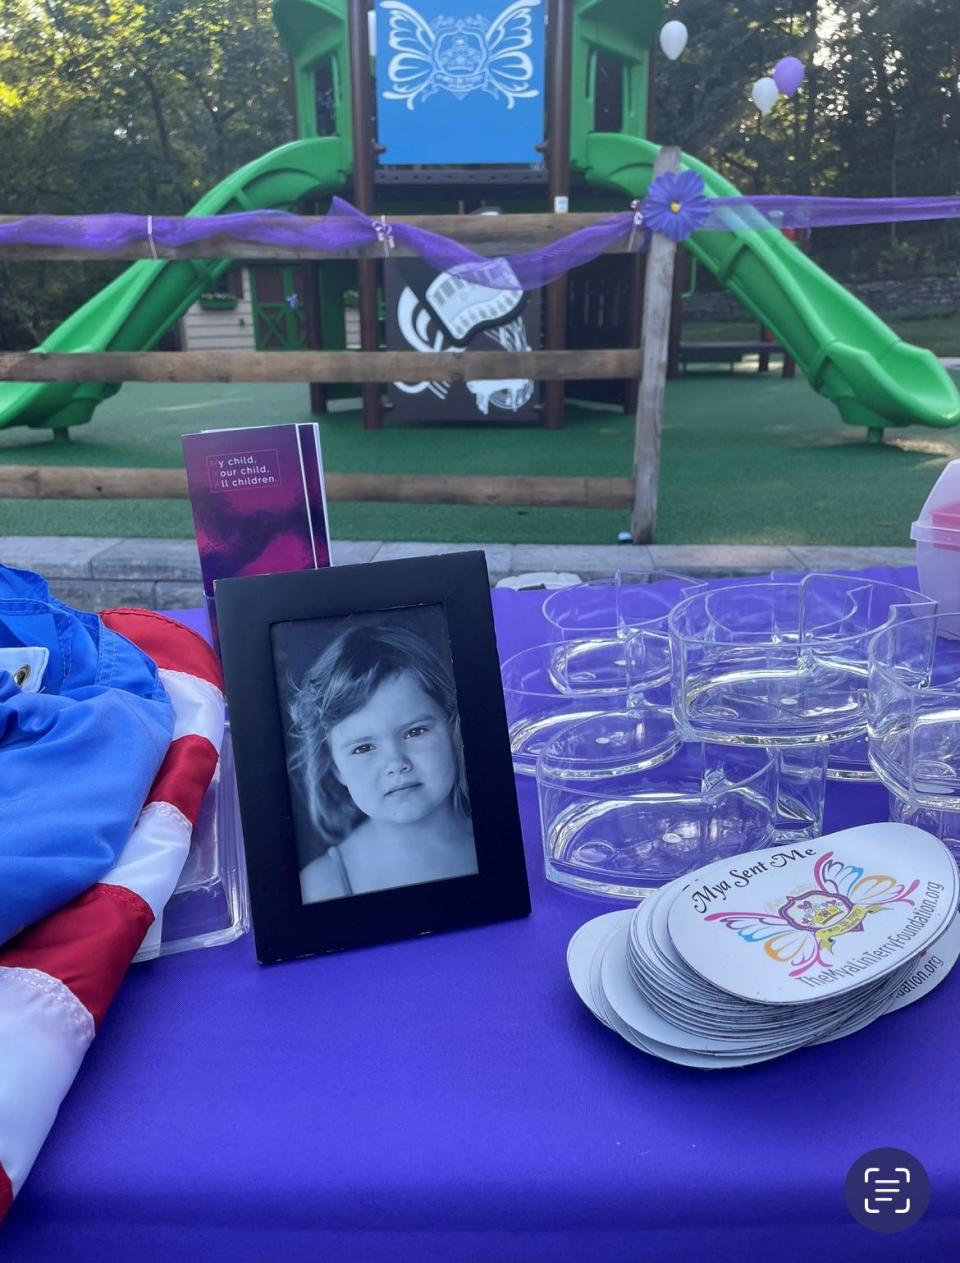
(631,608)
(936,533)
(618,606)
(622,833)
(548,686)
(645,598)
(783,663)
(914,711)
(582,611)
(210,904)
(943,823)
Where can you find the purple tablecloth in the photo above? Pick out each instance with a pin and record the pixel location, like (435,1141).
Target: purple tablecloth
(451,1099)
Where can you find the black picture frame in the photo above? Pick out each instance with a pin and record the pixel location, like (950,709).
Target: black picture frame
(248,612)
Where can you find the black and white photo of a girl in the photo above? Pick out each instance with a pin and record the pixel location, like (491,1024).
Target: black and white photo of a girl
(374,742)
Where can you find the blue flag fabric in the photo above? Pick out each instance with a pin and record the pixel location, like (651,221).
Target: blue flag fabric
(84,726)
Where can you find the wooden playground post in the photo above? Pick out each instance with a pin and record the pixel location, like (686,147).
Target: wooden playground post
(763,362)
(635,327)
(681,272)
(361,112)
(310,286)
(558,160)
(657,295)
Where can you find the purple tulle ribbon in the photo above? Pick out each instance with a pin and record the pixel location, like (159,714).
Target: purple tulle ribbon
(345,228)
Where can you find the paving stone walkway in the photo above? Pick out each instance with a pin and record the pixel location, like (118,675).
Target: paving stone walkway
(162,574)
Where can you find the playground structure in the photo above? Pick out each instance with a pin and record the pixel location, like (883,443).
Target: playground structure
(594,153)
(684,353)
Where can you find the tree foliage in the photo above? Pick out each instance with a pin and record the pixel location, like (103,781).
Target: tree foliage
(878,115)
(110,105)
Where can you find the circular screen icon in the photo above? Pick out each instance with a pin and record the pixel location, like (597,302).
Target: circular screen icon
(887,1190)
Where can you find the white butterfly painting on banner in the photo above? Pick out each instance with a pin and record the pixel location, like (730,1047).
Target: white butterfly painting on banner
(460,55)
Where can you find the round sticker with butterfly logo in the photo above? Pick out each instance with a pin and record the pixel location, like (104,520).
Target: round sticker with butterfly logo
(802,922)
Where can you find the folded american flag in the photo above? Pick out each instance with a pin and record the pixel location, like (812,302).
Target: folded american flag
(58,976)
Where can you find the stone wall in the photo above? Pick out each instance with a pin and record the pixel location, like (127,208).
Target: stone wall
(164,574)
(925,296)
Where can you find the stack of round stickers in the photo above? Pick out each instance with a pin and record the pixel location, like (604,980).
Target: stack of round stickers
(750,958)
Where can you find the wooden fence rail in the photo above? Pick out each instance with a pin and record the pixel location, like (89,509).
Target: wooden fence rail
(314,366)
(485,234)
(41,482)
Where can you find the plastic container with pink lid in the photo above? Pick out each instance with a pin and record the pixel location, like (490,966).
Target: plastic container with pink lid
(937,535)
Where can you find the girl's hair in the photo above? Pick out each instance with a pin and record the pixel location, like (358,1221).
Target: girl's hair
(342,680)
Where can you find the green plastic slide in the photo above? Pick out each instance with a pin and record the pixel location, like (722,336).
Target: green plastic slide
(133,312)
(849,355)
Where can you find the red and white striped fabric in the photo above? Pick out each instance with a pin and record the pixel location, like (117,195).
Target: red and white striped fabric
(58,977)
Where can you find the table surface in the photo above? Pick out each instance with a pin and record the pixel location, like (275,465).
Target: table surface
(451,1098)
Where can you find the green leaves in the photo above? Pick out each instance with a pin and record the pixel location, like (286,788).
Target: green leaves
(878,115)
(118,105)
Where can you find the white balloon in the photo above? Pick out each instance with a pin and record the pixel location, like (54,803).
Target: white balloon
(673,39)
(764,94)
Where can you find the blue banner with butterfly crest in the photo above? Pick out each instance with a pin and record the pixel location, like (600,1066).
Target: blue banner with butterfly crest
(460,81)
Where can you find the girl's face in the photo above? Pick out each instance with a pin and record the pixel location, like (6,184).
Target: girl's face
(395,755)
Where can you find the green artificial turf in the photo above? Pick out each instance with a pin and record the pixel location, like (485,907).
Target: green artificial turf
(745,459)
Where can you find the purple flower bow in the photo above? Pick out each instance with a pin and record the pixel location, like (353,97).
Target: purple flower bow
(676,204)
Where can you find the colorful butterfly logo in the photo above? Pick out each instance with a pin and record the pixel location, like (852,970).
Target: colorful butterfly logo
(460,55)
(811,922)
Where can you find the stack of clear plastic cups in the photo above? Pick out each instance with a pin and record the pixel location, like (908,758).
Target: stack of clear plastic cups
(626,805)
(604,609)
(914,722)
(547,687)
(783,665)
(594,629)
(873,605)
(620,619)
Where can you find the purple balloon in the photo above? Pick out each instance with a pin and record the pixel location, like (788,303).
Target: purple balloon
(788,75)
